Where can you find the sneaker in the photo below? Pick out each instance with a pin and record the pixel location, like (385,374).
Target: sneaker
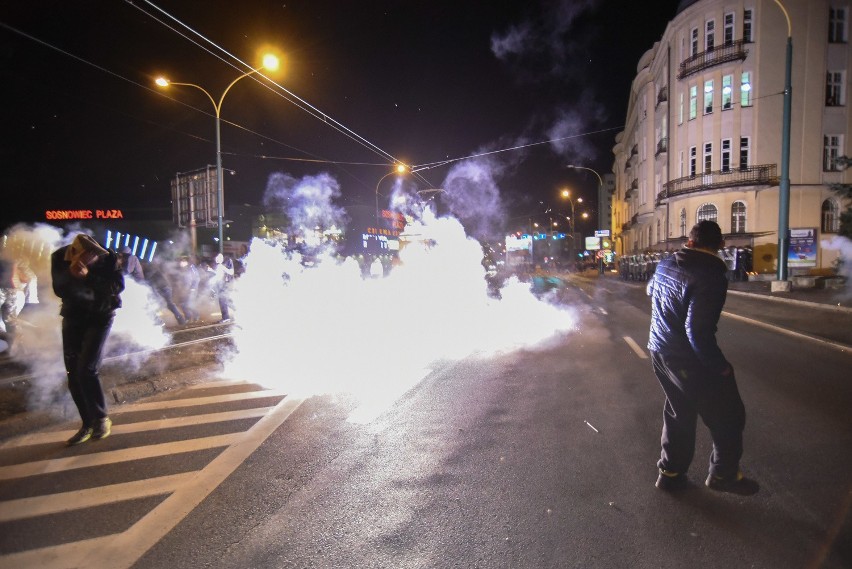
(671,480)
(224,320)
(81,436)
(738,484)
(102,429)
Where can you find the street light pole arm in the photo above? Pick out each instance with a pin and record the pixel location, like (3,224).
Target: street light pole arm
(590,170)
(228,88)
(203,90)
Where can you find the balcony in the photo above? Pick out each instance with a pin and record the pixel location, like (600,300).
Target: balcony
(761,175)
(663,95)
(634,185)
(716,56)
(662,146)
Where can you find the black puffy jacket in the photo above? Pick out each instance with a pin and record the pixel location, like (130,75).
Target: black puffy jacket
(687,293)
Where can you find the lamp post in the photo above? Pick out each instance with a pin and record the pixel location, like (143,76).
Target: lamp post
(399,169)
(566,194)
(602,223)
(784,186)
(270,62)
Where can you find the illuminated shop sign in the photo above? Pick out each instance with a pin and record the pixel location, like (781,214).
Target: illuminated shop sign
(71,214)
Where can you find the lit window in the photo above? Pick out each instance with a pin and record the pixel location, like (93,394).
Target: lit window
(745,89)
(727,92)
(708,97)
(693,102)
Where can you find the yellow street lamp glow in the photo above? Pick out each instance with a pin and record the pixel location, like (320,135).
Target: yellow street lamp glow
(270,62)
(162,82)
(401,168)
(566,193)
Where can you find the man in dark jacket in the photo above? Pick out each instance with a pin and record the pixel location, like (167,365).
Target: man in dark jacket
(688,292)
(89,281)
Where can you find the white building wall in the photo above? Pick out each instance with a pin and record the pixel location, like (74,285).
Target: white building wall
(666,176)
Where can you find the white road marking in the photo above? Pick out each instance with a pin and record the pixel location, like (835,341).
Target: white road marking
(139,427)
(830,343)
(635,347)
(198,401)
(112,457)
(602,311)
(90,497)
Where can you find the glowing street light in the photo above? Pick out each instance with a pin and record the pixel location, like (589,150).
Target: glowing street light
(270,63)
(398,169)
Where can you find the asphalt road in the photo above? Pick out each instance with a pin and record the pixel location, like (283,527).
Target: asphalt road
(538,458)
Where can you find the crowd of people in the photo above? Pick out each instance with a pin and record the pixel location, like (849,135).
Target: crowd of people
(641,267)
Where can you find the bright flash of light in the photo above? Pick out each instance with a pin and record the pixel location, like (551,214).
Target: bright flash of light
(328,329)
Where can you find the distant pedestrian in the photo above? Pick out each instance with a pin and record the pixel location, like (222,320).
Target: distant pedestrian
(220,284)
(688,291)
(187,280)
(89,281)
(159,280)
(130,265)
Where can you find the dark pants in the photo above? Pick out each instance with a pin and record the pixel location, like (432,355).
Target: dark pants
(82,345)
(692,391)
(166,294)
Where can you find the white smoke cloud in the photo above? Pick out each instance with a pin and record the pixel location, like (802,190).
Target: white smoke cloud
(513,42)
(38,340)
(567,131)
(472,194)
(307,201)
(328,329)
(844,267)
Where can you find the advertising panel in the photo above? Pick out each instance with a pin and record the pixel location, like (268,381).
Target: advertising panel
(593,243)
(803,248)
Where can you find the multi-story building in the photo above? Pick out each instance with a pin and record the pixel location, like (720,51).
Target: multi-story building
(703,134)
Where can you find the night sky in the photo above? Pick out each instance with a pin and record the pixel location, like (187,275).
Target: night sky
(84,126)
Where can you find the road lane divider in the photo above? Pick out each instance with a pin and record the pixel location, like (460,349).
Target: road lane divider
(635,347)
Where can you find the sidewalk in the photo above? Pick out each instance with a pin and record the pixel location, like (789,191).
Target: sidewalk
(839,297)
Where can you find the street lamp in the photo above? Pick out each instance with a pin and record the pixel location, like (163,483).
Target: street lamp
(270,63)
(784,185)
(399,169)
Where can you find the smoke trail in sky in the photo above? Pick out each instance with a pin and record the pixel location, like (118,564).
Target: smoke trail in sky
(570,123)
(306,201)
(328,329)
(473,197)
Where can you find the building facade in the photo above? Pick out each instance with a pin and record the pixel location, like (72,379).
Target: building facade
(703,133)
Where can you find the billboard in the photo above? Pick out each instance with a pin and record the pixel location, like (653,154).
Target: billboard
(593,243)
(518,243)
(803,248)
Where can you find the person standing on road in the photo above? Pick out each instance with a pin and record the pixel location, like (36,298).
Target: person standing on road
(688,291)
(88,280)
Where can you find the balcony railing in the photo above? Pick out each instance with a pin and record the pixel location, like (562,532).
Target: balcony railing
(663,94)
(761,175)
(722,54)
(662,146)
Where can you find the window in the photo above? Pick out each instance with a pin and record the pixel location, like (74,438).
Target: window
(832,148)
(727,92)
(837,25)
(728,33)
(708,157)
(726,155)
(830,216)
(680,110)
(693,102)
(707,212)
(747,26)
(834,89)
(708,97)
(709,35)
(738,217)
(744,152)
(745,89)
(680,168)
(692,157)
(683,223)
(693,51)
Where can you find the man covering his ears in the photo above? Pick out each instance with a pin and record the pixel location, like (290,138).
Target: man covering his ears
(89,281)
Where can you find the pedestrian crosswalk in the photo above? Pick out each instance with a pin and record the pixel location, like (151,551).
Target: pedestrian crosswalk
(105,503)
